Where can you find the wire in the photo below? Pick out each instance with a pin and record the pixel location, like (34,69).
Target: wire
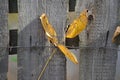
(70,47)
(46,64)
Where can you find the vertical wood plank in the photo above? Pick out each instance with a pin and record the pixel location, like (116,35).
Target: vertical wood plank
(35,49)
(117,76)
(3,39)
(72,69)
(57,13)
(98,59)
(30,39)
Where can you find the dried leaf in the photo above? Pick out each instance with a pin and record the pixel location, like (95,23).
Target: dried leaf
(78,25)
(49,30)
(51,34)
(116,36)
(67,53)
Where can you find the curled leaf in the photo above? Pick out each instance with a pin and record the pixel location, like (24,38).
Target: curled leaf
(78,25)
(49,30)
(116,36)
(52,36)
(67,53)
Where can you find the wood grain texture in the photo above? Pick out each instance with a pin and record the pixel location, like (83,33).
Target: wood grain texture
(56,11)
(98,60)
(72,69)
(117,76)
(3,39)
(31,34)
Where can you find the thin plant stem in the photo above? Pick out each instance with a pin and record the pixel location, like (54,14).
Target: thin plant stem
(46,64)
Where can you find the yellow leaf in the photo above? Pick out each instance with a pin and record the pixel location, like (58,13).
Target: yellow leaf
(116,36)
(51,34)
(78,25)
(67,53)
(49,30)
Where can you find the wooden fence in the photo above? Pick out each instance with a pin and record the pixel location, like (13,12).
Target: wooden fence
(97,54)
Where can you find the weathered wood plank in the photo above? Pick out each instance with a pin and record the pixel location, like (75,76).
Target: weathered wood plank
(98,60)
(3,39)
(117,76)
(57,13)
(31,34)
(72,69)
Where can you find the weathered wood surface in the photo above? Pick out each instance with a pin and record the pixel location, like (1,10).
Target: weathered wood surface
(3,39)
(72,69)
(98,60)
(117,76)
(31,34)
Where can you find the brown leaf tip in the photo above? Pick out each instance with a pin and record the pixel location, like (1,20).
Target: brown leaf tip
(42,16)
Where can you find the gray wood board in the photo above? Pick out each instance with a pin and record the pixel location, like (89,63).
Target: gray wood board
(31,34)
(3,39)
(98,60)
(73,69)
(117,76)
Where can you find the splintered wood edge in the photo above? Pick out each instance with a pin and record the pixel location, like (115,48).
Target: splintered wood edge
(116,33)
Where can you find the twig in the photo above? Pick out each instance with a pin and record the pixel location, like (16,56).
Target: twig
(46,64)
